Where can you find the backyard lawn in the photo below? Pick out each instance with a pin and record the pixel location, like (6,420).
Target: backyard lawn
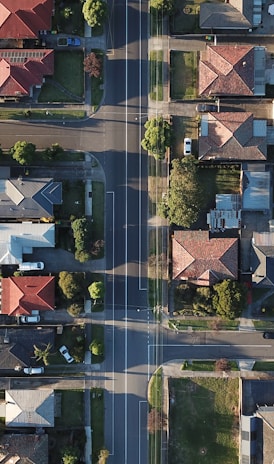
(204,421)
(70,86)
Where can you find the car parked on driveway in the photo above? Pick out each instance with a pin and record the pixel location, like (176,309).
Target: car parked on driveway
(30,319)
(65,352)
(187,146)
(206,108)
(33,370)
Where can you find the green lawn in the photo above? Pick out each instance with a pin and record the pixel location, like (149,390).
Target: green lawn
(64,62)
(98,210)
(263,366)
(183,75)
(18,114)
(155,448)
(155,390)
(73,200)
(97,332)
(156,23)
(156,75)
(186,17)
(97,413)
(263,324)
(204,421)
(208,366)
(71,416)
(203,324)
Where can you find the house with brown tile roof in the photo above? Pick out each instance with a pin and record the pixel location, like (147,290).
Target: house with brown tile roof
(232,70)
(23,19)
(24,448)
(23,69)
(22,295)
(202,260)
(232,137)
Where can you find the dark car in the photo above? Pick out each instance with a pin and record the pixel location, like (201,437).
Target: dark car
(206,108)
(268,334)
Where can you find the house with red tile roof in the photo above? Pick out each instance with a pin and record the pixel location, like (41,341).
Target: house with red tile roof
(199,259)
(232,137)
(23,69)
(22,295)
(23,19)
(236,70)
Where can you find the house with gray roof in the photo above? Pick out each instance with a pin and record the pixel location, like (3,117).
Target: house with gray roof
(29,408)
(240,15)
(262,259)
(26,197)
(17,239)
(24,448)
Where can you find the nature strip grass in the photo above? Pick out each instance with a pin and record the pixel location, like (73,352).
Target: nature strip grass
(41,114)
(156,75)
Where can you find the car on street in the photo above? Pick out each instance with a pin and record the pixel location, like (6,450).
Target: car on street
(33,370)
(206,108)
(65,352)
(187,146)
(30,319)
(268,334)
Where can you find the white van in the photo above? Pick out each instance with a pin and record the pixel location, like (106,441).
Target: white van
(33,370)
(31,266)
(30,319)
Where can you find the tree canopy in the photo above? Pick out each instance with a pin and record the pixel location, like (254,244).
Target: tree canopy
(229,299)
(42,354)
(70,284)
(95,12)
(23,152)
(184,199)
(81,229)
(97,290)
(163,6)
(70,455)
(93,65)
(157,137)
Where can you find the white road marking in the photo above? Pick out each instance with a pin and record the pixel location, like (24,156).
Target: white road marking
(113,346)
(139,431)
(126,240)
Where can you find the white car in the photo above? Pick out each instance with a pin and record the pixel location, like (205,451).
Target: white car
(33,370)
(65,352)
(31,266)
(187,146)
(30,319)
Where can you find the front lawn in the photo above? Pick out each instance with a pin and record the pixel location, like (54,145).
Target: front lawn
(156,75)
(97,413)
(186,17)
(65,85)
(73,200)
(183,75)
(204,421)
(71,416)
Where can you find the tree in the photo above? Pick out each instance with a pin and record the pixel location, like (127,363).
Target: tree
(103,456)
(202,303)
(81,229)
(154,421)
(157,137)
(53,151)
(95,12)
(75,309)
(229,299)
(70,284)
(23,152)
(93,65)
(70,455)
(97,247)
(42,354)
(163,6)
(184,198)
(222,365)
(96,347)
(97,290)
